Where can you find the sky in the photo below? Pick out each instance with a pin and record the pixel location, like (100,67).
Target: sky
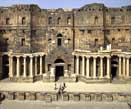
(65,3)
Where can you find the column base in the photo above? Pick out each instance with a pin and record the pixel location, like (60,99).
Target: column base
(93,80)
(22,79)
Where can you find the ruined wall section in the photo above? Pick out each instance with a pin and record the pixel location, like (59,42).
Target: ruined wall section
(15,27)
(89,27)
(48,25)
(39,28)
(118,27)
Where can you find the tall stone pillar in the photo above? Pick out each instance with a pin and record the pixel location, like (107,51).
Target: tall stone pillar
(41,65)
(101,67)
(24,74)
(87,67)
(124,65)
(18,67)
(127,67)
(94,67)
(1,66)
(10,66)
(119,66)
(108,67)
(36,65)
(31,66)
(77,65)
(83,66)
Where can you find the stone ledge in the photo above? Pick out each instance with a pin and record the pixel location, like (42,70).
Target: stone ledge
(67,96)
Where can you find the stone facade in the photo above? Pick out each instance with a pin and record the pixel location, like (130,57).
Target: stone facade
(90,44)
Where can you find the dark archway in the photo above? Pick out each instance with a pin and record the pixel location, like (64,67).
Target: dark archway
(59,69)
(5,66)
(114,66)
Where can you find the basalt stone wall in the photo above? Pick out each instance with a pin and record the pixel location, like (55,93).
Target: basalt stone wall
(28,28)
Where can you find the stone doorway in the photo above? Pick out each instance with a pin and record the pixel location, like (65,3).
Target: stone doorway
(114,67)
(5,66)
(59,72)
(59,69)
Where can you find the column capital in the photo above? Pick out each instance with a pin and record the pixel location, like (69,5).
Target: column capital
(88,57)
(77,55)
(31,56)
(17,56)
(108,57)
(24,56)
(101,57)
(94,57)
(128,57)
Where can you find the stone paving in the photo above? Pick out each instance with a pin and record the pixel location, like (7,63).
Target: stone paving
(70,87)
(8,104)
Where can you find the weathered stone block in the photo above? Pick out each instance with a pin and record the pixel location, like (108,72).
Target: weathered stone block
(77,97)
(71,96)
(87,97)
(20,95)
(65,97)
(82,97)
(11,95)
(98,97)
(48,98)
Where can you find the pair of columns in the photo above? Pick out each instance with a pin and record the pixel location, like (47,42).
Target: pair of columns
(94,66)
(11,69)
(124,67)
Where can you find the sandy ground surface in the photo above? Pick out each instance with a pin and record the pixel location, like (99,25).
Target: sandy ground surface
(8,104)
(70,87)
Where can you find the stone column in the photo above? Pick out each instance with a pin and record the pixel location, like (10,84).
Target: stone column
(24,74)
(101,67)
(87,67)
(83,66)
(77,65)
(127,67)
(119,66)
(108,67)
(124,65)
(18,67)
(41,65)
(52,72)
(31,66)
(36,65)
(10,66)
(94,67)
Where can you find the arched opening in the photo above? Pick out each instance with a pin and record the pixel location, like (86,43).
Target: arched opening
(114,66)
(23,20)
(5,66)
(59,40)
(59,69)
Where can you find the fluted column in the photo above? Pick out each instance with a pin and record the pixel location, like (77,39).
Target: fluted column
(101,67)
(87,67)
(124,65)
(36,65)
(11,66)
(108,67)
(18,67)
(31,66)
(83,66)
(77,65)
(119,66)
(40,65)
(127,67)
(94,67)
(24,74)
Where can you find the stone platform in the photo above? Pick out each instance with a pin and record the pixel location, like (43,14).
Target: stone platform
(73,92)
